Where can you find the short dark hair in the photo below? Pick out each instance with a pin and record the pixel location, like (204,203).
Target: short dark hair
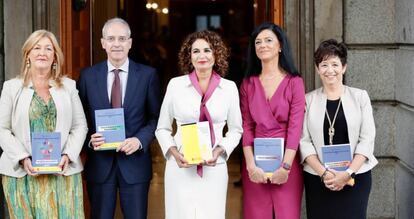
(220,52)
(254,66)
(331,48)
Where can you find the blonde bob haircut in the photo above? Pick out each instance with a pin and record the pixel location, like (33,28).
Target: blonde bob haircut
(34,38)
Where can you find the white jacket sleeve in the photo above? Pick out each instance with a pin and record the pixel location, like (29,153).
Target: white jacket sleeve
(306,146)
(164,127)
(12,147)
(234,123)
(366,138)
(79,128)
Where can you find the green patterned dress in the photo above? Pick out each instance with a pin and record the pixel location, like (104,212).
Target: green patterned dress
(43,196)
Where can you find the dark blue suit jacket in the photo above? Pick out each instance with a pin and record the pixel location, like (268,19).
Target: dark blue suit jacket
(141,109)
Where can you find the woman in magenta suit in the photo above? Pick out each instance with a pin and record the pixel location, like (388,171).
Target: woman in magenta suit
(272,103)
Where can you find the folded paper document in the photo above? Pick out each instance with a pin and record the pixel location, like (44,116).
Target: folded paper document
(196,142)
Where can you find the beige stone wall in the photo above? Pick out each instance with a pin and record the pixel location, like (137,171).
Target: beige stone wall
(16,29)
(380,37)
(2,204)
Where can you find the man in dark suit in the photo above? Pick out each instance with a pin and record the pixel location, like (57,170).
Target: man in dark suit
(120,82)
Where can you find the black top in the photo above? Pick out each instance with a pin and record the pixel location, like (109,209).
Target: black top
(340,126)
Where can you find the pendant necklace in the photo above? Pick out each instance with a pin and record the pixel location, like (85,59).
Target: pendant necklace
(331,130)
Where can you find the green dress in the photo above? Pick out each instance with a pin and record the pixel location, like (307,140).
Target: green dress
(44,196)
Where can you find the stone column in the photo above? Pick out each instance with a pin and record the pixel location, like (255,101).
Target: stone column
(1,49)
(299,27)
(16,26)
(380,36)
(2,204)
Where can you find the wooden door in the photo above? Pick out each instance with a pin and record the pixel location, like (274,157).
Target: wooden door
(75,35)
(268,10)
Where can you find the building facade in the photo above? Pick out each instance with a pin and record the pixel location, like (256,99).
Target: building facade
(380,37)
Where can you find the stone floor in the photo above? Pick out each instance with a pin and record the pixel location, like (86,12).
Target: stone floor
(156,193)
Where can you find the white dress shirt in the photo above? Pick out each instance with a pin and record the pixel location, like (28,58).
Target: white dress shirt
(123,76)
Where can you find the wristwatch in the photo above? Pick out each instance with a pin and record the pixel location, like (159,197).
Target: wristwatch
(286,166)
(351,173)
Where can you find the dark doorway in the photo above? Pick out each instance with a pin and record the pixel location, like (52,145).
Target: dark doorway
(158,34)
(157,37)
(158,28)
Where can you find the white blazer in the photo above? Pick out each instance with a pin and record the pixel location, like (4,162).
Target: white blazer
(360,122)
(15,126)
(186,194)
(182,103)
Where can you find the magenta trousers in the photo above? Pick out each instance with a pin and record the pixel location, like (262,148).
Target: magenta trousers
(260,200)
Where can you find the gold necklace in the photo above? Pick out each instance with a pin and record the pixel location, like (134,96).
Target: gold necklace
(331,130)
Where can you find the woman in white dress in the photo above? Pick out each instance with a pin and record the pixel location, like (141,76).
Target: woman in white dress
(201,94)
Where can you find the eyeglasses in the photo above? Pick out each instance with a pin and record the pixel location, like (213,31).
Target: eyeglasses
(121,39)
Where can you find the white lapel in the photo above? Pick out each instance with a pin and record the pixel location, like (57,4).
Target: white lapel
(319,108)
(348,105)
(21,113)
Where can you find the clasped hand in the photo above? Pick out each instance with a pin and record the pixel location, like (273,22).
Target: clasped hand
(336,180)
(257,175)
(27,165)
(183,163)
(128,146)
(280,176)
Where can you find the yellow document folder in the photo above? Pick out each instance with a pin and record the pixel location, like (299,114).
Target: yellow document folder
(196,142)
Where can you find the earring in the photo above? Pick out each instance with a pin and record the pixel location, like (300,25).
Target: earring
(54,66)
(27,64)
(280,50)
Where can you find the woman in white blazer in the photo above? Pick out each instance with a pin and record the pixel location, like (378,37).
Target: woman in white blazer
(199,191)
(337,114)
(40,99)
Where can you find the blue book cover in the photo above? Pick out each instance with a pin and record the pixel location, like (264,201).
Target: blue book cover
(337,156)
(268,153)
(46,152)
(110,122)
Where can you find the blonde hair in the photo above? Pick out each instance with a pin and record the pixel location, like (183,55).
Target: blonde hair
(34,38)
